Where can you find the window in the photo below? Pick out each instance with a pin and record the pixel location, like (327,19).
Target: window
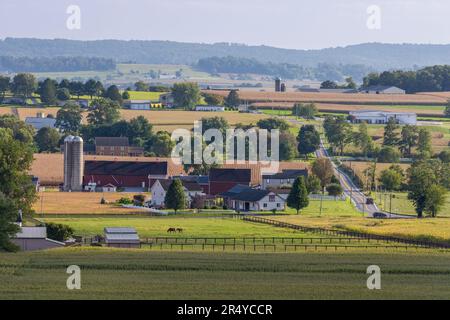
(278,205)
(271,198)
(265,205)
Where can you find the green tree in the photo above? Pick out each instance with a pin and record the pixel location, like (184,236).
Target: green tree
(20,131)
(103,111)
(447,110)
(68,118)
(24,84)
(175,197)
(126,95)
(305,110)
(273,123)
(186,95)
(338,132)
(59,232)
(287,146)
(90,88)
(323,169)
(113,94)
(335,190)
(390,179)
(233,100)
(141,86)
(388,154)
(435,199)
(47,139)
(5,83)
(308,140)
(363,140)
(160,144)
(139,130)
(47,92)
(219,123)
(444,156)
(213,99)
(16,190)
(409,136)
(76,88)
(313,184)
(298,196)
(424,143)
(391,135)
(63,94)
(328,85)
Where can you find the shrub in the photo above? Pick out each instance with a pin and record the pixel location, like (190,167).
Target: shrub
(389,155)
(59,232)
(125,201)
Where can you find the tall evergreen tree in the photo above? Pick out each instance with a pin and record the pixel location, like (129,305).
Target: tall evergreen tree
(175,198)
(233,100)
(47,92)
(391,137)
(298,197)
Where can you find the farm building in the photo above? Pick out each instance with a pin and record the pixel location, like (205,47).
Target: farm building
(137,104)
(222,180)
(310,89)
(382,90)
(160,187)
(210,108)
(380,117)
(40,121)
(124,174)
(116,146)
(284,178)
(202,181)
(244,198)
(167,100)
(122,238)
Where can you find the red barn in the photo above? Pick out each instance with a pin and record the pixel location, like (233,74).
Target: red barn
(124,174)
(222,180)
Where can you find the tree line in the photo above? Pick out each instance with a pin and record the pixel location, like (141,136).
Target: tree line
(55,64)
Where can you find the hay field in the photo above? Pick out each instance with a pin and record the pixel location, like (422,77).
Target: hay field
(256,96)
(50,167)
(5,110)
(81,203)
(360,166)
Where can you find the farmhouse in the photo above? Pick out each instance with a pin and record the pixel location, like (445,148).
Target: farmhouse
(382,90)
(244,198)
(137,104)
(122,238)
(284,178)
(160,187)
(40,121)
(210,108)
(116,146)
(380,117)
(124,174)
(223,179)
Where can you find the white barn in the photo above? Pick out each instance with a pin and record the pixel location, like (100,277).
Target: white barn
(160,187)
(210,108)
(382,90)
(382,117)
(244,198)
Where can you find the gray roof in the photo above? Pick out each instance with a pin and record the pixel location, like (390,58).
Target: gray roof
(120,230)
(39,123)
(250,195)
(112,141)
(287,174)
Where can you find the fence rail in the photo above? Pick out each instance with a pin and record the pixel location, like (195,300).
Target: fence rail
(353,234)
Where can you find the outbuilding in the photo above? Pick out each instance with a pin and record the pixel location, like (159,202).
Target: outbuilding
(122,237)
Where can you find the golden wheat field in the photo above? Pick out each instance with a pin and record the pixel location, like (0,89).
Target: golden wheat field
(255,96)
(81,203)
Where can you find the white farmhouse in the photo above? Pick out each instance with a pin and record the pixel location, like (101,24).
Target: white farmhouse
(40,121)
(244,198)
(160,187)
(382,117)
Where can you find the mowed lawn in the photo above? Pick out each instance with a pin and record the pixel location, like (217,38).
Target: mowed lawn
(142,274)
(192,226)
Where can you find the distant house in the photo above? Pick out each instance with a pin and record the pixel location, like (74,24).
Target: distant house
(244,198)
(138,176)
(284,178)
(137,104)
(40,121)
(122,238)
(160,187)
(382,117)
(223,179)
(33,238)
(109,188)
(202,181)
(116,146)
(382,90)
(210,108)
(167,100)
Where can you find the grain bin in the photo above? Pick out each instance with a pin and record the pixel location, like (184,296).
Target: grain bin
(77,164)
(277,84)
(68,163)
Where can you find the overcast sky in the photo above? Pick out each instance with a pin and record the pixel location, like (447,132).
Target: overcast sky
(298,24)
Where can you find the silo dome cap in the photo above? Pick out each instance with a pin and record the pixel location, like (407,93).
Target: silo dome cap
(69,139)
(77,139)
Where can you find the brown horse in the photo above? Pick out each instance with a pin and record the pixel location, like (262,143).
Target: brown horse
(171,230)
(179,230)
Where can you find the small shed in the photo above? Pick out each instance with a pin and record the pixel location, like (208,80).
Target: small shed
(122,237)
(109,188)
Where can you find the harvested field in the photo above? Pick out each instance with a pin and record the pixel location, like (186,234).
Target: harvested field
(81,203)
(5,110)
(359,167)
(254,96)
(53,174)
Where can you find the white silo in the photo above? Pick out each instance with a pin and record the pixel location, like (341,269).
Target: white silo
(68,163)
(77,164)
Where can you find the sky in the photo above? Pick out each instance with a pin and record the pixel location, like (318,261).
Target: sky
(296,24)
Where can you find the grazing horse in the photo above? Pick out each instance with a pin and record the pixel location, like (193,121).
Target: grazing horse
(171,230)
(179,230)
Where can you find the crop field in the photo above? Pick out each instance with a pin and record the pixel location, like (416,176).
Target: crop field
(359,166)
(405,99)
(55,202)
(134,274)
(437,229)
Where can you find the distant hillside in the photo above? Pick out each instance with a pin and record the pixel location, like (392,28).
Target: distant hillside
(373,55)
(55,64)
